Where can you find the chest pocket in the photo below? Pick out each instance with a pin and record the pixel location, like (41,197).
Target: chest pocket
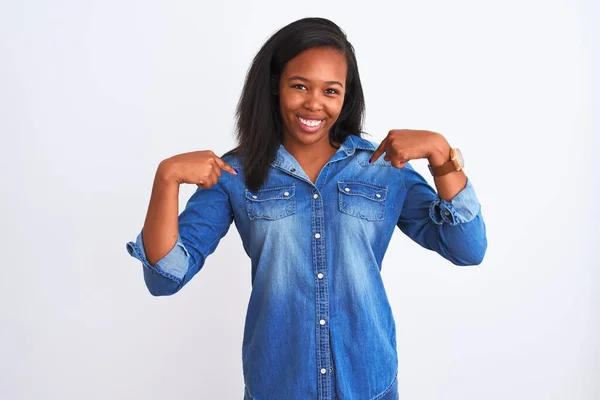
(362,200)
(271,203)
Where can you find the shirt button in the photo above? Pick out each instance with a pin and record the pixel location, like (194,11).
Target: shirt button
(320,275)
(447,212)
(346,190)
(255,197)
(286,194)
(322,322)
(317,235)
(292,169)
(378,195)
(323,371)
(315,196)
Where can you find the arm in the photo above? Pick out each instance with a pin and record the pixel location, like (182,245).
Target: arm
(453,228)
(160,231)
(449,221)
(173,248)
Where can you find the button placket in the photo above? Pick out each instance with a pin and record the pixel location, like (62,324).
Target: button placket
(324,360)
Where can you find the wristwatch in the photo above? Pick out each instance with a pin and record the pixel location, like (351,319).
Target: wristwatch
(456,163)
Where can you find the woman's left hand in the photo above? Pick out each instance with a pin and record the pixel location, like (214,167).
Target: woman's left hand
(403,145)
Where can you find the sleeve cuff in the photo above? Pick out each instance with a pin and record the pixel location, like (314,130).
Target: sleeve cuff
(463,208)
(174,265)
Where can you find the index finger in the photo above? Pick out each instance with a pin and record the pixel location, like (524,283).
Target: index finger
(379,151)
(225,167)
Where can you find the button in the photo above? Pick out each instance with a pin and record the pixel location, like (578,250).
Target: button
(322,322)
(320,275)
(286,194)
(447,212)
(346,190)
(315,196)
(292,169)
(317,235)
(378,195)
(323,371)
(254,197)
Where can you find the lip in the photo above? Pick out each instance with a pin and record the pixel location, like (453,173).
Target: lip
(310,129)
(313,117)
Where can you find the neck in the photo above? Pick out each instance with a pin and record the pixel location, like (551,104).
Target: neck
(309,154)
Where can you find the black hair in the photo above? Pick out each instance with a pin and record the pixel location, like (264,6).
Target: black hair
(258,119)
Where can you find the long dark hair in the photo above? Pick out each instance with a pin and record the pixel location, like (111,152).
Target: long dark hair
(258,119)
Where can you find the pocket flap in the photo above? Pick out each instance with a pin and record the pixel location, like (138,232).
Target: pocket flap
(278,193)
(369,191)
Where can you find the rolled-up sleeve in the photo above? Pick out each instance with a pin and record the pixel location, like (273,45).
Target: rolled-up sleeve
(203,223)
(455,229)
(463,208)
(173,265)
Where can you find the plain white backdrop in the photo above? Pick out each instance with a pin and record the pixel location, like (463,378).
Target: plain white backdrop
(93,95)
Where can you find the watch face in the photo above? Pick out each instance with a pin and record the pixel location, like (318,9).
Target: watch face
(459,158)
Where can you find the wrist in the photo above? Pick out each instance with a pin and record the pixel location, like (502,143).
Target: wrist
(165,175)
(440,153)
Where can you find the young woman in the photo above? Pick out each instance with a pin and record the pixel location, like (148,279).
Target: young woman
(315,205)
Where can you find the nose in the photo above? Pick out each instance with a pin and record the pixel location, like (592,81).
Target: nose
(313,102)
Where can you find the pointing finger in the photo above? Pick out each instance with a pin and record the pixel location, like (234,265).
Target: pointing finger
(379,151)
(226,167)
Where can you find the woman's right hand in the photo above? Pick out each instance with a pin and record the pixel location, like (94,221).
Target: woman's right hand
(202,168)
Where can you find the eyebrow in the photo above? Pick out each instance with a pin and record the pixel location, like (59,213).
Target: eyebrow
(303,79)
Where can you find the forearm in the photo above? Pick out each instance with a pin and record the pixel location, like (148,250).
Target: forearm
(448,185)
(160,229)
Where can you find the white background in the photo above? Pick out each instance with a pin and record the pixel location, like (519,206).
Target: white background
(93,95)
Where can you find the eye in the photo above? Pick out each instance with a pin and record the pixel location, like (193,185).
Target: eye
(299,86)
(332,91)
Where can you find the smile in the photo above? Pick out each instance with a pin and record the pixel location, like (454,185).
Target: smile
(310,125)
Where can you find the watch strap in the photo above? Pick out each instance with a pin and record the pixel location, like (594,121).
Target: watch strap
(443,169)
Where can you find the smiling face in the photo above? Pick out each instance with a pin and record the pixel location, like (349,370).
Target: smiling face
(311,95)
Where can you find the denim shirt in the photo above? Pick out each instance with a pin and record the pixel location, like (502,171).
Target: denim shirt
(318,323)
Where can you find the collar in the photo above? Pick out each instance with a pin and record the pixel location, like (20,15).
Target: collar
(353,142)
(284,160)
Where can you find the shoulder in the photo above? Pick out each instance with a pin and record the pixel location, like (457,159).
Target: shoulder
(233,158)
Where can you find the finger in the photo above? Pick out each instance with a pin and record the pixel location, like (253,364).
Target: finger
(399,164)
(208,182)
(216,169)
(224,166)
(391,154)
(213,179)
(379,151)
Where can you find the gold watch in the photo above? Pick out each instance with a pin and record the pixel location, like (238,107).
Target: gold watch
(456,163)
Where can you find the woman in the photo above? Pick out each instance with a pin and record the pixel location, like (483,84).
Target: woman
(315,206)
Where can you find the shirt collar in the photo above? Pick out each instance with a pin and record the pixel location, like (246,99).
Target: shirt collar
(351,143)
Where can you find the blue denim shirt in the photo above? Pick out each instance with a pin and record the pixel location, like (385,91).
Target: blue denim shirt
(319,324)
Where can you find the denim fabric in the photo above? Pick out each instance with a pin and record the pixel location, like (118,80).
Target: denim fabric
(319,324)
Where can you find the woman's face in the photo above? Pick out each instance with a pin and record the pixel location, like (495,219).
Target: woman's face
(311,94)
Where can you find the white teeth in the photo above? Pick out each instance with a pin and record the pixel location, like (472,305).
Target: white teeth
(309,122)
